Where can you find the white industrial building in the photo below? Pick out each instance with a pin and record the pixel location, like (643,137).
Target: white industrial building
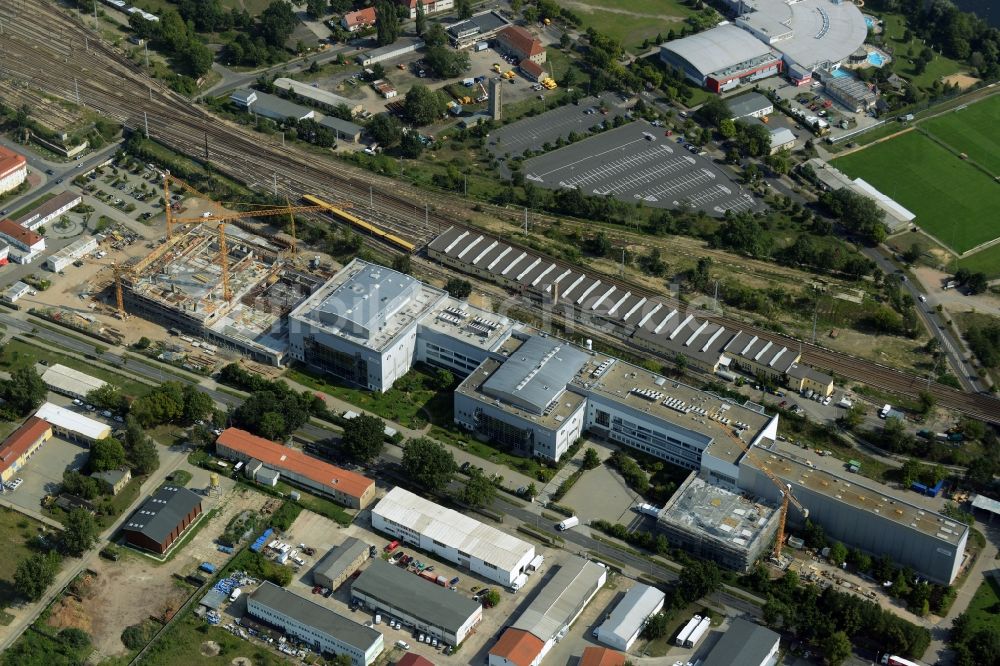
(627,620)
(548,617)
(70,425)
(16,292)
(65,257)
(317,96)
(453,536)
(50,210)
(369,324)
(419,603)
(25,244)
(395,50)
(318,627)
(722,58)
(269,106)
(68,381)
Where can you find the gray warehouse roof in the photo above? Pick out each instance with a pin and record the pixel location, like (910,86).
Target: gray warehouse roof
(162,512)
(415,596)
(336,561)
(536,373)
(632,611)
(562,598)
(749,104)
(744,643)
(312,614)
(341,126)
(718,49)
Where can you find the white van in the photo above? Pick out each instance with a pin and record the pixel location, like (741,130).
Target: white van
(570,522)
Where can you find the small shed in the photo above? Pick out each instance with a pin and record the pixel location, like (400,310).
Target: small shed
(268,477)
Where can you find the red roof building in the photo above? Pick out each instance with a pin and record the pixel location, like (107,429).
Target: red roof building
(532,70)
(348,488)
(19,237)
(516,648)
(363,18)
(413,659)
(518,42)
(13,169)
(21,445)
(599,656)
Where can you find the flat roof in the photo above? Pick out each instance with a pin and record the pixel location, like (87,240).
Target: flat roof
(718,49)
(311,614)
(536,374)
(336,560)
(632,611)
(60,378)
(797,472)
(727,518)
(69,420)
(453,529)
(162,512)
(986,504)
(399,45)
(743,643)
(368,304)
(415,596)
(280,457)
(562,598)
(279,106)
(747,104)
(341,125)
(481,23)
(314,93)
(470,324)
(19,441)
(808,32)
(60,200)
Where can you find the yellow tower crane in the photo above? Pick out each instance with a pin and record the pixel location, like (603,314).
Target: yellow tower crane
(784,488)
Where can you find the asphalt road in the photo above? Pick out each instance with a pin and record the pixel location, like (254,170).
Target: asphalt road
(934,323)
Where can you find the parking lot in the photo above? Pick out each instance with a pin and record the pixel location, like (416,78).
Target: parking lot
(533,132)
(43,473)
(135,191)
(636,162)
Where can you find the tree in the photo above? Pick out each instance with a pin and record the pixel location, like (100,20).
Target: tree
(197,405)
(106,454)
(386,22)
(108,396)
(443,379)
(428,463)
(698,579)
(81,485)
(364,438)
(464,8)
(163,404)
(79,533)
(531,490)
(838,553)
(144,457)
(197,58)
(458,287)
(478,490)
(493,597)
(656,626)
(385,129)
(277,23)
(24,392)
(402,263)
(422,106)
(727,128)
(421,19)
(35,573)
(836,648)
(411,146)
(590,458)
(316,8)
(445,62)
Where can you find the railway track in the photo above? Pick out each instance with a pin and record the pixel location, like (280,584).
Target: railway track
(56,56)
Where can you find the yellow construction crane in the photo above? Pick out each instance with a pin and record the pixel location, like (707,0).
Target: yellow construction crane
(785,488)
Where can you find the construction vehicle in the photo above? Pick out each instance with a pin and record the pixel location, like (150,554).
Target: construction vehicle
(784,488)
(509,74)
(485,96)
(496,67)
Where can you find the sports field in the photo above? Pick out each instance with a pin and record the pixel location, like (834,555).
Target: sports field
(974,130)
(631,21)
(953,201)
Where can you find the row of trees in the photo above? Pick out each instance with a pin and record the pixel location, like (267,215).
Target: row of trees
(272,410)
(22,394)
(173,36)
(263,41)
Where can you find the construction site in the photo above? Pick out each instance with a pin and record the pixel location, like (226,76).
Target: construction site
(227,286)
(731,528)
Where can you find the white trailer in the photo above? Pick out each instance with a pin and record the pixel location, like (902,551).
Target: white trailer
(686,631)
(697,633)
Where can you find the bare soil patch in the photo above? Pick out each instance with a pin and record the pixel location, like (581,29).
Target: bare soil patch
(963,81)
(211,649)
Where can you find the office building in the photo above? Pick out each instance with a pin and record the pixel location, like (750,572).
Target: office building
(20,445)
(25,244)
(320,628)
(521,44)
(452,536)
(13,169)
(50,210)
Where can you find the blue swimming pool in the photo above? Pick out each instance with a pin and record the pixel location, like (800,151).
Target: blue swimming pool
(870,22)
(875,58)
(839,73)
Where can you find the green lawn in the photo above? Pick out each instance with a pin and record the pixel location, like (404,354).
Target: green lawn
(182,644)
(953,201)
(985,261)
(412,401)
(16,530)
(32,206)
(971,130)
(940,66)
(983,609)
(632,21)
(17,354)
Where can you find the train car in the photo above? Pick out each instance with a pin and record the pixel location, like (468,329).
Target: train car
(358,223)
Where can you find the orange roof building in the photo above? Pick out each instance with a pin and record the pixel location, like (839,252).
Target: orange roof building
(348,488)
(599,656)
(13,169)
(518,42)
(414,659)
(21,238)
(363,18)
(517,647)
(21,445)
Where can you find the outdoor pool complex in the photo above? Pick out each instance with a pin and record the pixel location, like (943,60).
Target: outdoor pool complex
(875,58)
